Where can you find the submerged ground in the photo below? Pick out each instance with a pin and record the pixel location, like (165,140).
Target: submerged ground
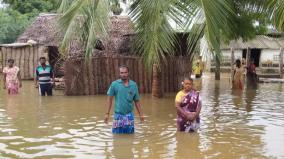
(235,124)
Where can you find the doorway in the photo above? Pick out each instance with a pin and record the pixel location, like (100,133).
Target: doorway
(254,55)
(55,61)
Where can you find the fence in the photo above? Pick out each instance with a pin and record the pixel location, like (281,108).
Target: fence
(25,56)
(95,76)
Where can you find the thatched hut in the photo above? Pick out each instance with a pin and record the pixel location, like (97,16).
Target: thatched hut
(44,32)
(95,76)
(41,38)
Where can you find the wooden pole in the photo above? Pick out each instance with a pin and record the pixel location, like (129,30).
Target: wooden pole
(248,57)
(232,62)
(281,63)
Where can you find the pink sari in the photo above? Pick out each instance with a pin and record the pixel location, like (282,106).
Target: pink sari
(12,82)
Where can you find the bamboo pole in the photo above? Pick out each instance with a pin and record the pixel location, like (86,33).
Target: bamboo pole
(22,62)
(248,57)
(141,70)
(4,56)
(281,63)
(113,68)
(91,78)
(1,54)
(232,62)
(9,53)
(17,58)
(95,72)
(31,63)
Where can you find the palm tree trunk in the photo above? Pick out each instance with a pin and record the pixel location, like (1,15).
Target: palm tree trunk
(217,68)
(157,89)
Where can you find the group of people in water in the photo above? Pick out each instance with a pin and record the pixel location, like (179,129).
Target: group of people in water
(125,92)
(44,78)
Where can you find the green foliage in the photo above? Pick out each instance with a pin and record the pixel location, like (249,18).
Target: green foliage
(33,7)
(19,14)
(155,36)
(277,13)
(12,24)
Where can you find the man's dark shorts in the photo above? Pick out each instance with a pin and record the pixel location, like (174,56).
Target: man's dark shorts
(46,89)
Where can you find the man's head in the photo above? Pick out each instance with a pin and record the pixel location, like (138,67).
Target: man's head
(123,72)
(187,84)
(10,62)
(42,60)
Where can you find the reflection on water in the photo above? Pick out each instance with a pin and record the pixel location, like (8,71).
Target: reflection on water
(235,124)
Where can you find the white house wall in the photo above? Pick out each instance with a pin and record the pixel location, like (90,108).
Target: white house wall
(269,54)
(227,54)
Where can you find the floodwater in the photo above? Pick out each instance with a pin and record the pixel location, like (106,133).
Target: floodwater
(234,124)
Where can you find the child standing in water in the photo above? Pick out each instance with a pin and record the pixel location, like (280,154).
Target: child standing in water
(12,78)
(238,76)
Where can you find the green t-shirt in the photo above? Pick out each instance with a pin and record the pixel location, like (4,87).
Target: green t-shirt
(124,96)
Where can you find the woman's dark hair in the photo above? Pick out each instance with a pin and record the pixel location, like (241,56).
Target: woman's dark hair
(186,78)
(238,63)
(11,60)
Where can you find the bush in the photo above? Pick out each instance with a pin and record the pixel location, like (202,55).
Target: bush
(12,25)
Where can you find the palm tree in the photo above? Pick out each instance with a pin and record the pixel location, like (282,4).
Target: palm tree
(216,19)
(277,13)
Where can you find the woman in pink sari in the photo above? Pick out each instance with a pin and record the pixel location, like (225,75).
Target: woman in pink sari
(12,78)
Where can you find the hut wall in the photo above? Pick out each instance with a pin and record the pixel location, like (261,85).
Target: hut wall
(26,58)
(226,61)
(269,61)
(269,57)
(96,76)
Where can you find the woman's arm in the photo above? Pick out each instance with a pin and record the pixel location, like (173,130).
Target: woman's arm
(180,110)
(4,80)
(19,78)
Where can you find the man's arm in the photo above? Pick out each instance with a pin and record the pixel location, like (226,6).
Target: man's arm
(139,110)
(109,105)
(52,75)
(36,78)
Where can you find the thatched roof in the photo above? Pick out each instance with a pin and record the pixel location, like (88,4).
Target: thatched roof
(259,42)
(42,30)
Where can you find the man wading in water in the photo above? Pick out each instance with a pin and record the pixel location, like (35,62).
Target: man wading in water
(44,75)
(125,92)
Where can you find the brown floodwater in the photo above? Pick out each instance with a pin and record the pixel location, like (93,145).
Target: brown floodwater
(234,124)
